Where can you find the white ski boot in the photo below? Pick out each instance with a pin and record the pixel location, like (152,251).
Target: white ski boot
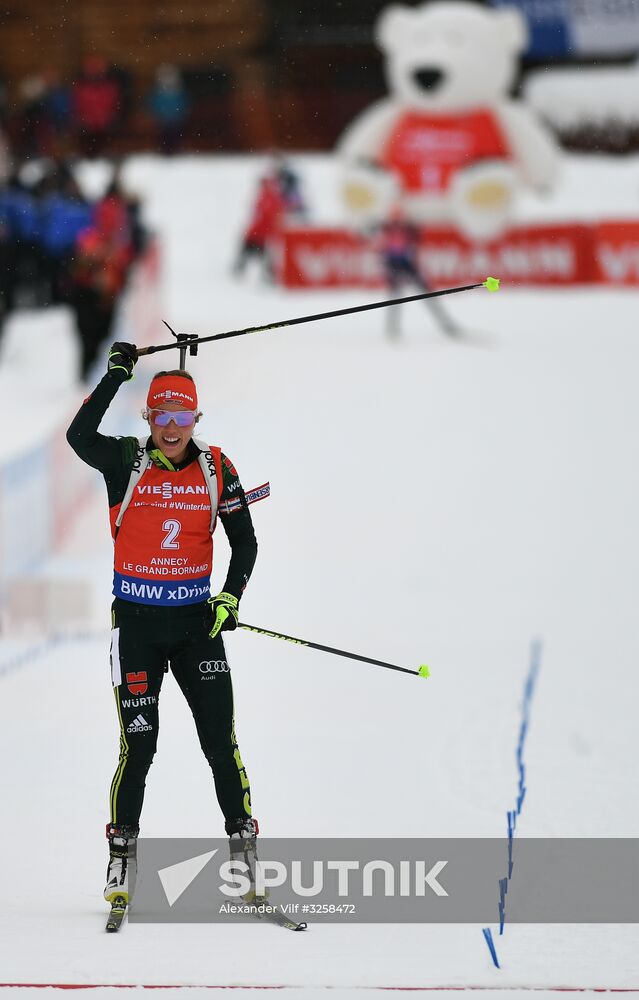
(122,869)
(243,847)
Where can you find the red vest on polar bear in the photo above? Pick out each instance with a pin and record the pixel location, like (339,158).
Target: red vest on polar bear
(427,149)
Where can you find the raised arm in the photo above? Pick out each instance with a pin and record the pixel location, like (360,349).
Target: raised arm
(98,450)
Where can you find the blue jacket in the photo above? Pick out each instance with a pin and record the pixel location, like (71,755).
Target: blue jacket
(63,219)
(21,215)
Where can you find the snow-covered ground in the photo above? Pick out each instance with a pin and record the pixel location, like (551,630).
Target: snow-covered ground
(432,501)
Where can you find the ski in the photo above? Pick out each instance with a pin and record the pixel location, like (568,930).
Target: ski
(274,914)
(117,913)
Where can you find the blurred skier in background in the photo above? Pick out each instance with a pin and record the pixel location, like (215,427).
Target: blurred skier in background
(264,227)
(290,187)
(397,243)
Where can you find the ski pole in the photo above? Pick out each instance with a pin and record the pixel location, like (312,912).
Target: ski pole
(422,671)
(192,340)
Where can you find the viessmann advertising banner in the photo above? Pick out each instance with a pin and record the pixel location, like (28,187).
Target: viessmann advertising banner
(605,252)
(579,27)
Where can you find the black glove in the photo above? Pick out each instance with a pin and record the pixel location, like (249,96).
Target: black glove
(122,357)
(225,613)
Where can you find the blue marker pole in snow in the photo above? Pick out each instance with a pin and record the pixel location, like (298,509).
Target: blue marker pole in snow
(512,814)
(491,946)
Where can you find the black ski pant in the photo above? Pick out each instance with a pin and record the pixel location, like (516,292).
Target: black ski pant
(251,248)
(145,642)
(94,319)
(398,269)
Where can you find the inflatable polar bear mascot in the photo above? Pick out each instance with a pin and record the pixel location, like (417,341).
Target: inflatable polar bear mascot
(448,144)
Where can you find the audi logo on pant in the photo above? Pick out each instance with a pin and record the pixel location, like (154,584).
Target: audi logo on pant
(214,667)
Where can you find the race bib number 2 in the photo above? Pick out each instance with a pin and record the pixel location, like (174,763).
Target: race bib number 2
(172,529)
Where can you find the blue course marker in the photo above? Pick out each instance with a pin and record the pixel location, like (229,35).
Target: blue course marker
(491,946)
(512,814)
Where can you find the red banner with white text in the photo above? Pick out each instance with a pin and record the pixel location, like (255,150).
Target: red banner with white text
(554,255)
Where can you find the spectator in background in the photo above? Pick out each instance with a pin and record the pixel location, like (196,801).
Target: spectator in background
(117,218)
(139,234)
(22,224)
(65,213)
(111,217)
(55,247)
(93,294)
(42,117)
(124,81)
(21,270)
(56,113)
(29,124)
(263,229)
(103,257)
(168,104)
(95,106)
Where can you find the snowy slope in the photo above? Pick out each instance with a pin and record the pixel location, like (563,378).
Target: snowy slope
(512,518)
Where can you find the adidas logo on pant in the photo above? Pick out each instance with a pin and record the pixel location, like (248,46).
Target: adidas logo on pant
(139,725)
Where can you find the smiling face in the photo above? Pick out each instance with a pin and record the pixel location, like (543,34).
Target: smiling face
(172,392)
(171,439)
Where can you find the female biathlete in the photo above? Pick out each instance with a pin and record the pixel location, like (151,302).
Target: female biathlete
(165,496)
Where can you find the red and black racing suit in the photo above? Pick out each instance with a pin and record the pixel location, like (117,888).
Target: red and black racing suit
(147,638)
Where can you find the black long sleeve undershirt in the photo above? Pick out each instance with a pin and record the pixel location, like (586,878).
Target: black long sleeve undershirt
(113,457)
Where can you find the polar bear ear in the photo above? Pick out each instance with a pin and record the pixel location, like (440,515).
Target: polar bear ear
(394,26)
(512,28)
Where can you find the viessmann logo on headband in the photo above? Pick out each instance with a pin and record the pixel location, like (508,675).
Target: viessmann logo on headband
(173,395)
(172,389)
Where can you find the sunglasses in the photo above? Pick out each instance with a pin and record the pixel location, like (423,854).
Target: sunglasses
(181,418)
